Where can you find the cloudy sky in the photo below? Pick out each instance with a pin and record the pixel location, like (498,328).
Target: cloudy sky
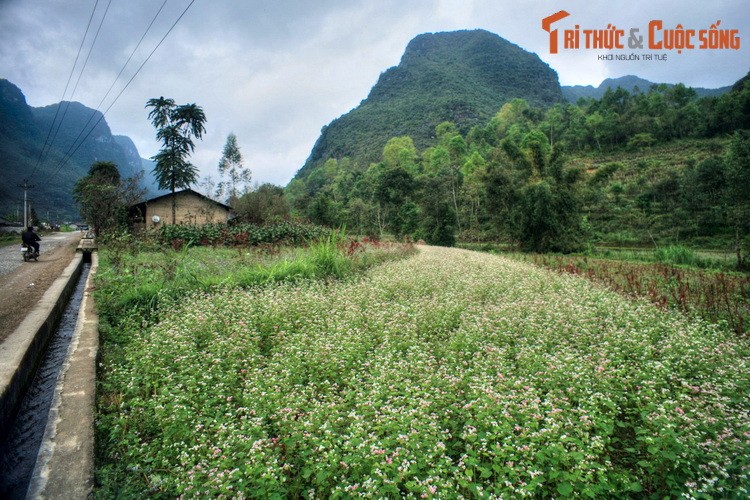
(275,72)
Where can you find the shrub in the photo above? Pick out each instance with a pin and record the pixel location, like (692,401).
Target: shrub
(285,232)
(677,255)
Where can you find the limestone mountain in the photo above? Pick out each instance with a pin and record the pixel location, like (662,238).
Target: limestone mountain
(81,137)
(460,76)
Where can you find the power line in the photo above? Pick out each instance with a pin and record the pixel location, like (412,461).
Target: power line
(68,157)
(91,49)
(70,77)
(80,74)
(73,146)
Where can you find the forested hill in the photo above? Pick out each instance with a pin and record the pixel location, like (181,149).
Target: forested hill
(23,132)
(462,76)
(629,83)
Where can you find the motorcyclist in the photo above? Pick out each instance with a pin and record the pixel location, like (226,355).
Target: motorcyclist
(30,238)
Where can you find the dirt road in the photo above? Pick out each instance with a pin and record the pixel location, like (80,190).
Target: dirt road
(22,284)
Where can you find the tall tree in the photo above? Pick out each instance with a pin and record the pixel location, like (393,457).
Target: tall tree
(103,196)
(543,203)
(393,189)
(175,125)
(401,152)
(231,165)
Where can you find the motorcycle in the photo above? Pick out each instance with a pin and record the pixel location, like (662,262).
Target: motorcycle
(29,253)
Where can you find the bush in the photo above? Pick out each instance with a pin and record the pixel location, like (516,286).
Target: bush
(286,232)
(677,255)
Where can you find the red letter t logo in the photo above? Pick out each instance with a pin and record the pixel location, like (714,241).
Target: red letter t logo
(547,24)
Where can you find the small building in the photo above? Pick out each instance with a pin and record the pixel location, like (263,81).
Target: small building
(191,208)
(8,227)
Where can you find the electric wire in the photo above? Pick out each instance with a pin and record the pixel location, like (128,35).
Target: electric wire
(42,156)
(74,144)
(101,117)
(91,49)
(80,74)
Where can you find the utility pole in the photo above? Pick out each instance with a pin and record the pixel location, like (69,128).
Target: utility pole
(25,186)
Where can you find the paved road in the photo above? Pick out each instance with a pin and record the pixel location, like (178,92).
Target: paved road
(10,256)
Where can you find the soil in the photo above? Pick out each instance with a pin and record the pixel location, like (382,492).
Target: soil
(21,289)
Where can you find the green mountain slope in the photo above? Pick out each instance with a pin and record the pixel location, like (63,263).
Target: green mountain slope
(461,76)
(629,83)
(54,169)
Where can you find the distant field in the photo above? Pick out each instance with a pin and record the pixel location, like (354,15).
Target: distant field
(448,373)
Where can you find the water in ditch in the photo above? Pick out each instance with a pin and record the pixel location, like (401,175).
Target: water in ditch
(18,450)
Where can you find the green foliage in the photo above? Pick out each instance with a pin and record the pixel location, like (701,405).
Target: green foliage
(676,255)
(738,189)
(636,168)
(175,125)
(287,232)
(263,205)
(103,197)
(604,173)
(400,152)
(641,141)
(438,218)
(538,225)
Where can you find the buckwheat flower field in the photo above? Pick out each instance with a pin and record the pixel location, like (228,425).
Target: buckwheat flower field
(447,374)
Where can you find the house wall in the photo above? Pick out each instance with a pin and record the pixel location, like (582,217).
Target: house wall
(190,210)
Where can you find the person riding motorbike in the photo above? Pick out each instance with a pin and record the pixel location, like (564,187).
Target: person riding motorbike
(30,238)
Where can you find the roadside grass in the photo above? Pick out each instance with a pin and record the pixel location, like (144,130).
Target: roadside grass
(448,373)
(7,240)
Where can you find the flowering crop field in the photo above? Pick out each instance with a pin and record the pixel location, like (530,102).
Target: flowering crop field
(448,374)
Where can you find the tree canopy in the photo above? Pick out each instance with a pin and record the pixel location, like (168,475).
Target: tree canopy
(235,178)
(176,126)
(103,196)
(630,168)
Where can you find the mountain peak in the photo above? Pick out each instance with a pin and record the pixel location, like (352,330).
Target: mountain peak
(9,93)
(436,44)
(54,166)
(460,76)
